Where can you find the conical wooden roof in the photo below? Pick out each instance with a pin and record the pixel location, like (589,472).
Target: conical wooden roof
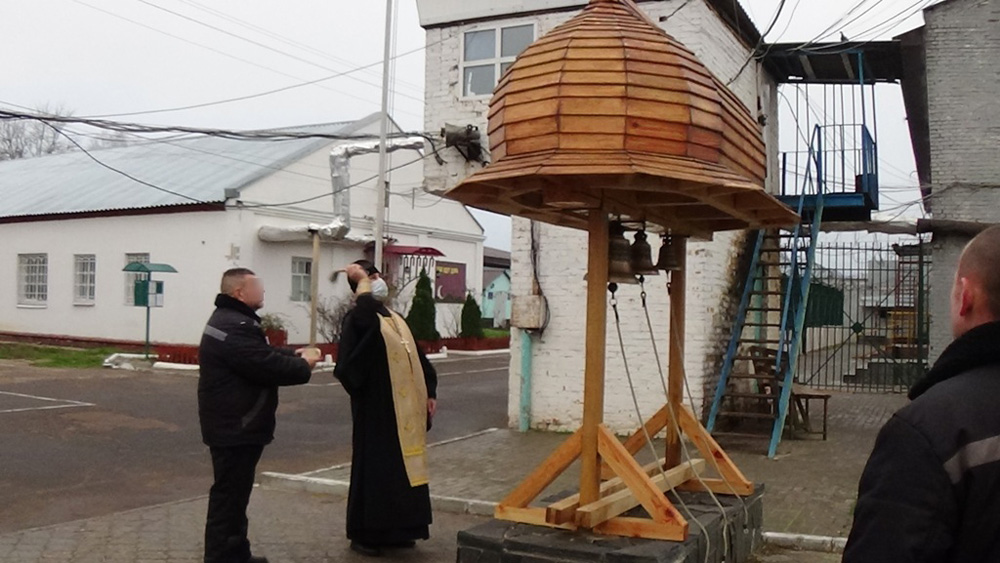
(607,110)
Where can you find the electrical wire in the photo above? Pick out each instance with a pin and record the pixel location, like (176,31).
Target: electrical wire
(259,135)
(649,439)
(829,29)
(753,52)
(265,46)
(213,49)
(118,171)
(878,29)
(284,39)
(300,84)
(195,200)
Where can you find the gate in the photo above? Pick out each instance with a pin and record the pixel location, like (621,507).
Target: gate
(867,319)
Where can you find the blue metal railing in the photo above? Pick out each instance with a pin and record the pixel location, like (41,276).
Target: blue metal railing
(795,295)
(849,164)
(796,298)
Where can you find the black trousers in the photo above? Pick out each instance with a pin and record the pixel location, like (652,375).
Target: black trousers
(226,525)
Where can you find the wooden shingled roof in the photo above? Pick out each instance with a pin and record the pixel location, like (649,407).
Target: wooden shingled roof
(608,111)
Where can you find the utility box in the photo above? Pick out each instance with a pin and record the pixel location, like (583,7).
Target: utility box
(148,293)
(528,312)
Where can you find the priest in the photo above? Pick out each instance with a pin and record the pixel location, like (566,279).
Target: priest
(393,390)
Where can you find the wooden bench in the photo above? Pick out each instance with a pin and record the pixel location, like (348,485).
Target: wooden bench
(763,362)
(801,399)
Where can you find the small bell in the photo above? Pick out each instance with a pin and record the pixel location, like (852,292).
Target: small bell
(619,256)
(668,260)
(641,256)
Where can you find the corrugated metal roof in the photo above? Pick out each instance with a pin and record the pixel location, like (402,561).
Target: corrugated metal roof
(201,168)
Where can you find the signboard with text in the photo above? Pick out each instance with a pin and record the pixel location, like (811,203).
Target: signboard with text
(449,282)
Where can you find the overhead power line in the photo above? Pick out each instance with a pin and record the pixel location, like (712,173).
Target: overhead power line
(198,201)
(265,46)
(260,135)
(264,93)
(753,52)
(302,82)
(284,39)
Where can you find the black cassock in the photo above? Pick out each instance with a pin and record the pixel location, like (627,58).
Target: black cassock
(382,507)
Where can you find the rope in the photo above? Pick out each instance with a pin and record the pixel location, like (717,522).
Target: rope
(613,288)
(676,425)
(690,395)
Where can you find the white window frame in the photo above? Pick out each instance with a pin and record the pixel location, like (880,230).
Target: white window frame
(84,279)
(38,295)
(497,61)
(131,277)
(301,281)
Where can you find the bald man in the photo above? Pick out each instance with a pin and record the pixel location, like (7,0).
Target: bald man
(931,489)
(237,398)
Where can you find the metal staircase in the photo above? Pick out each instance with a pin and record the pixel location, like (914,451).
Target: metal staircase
(755,387)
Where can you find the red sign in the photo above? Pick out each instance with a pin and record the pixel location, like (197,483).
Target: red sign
(449,282)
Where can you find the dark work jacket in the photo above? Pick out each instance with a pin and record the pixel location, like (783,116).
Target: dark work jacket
(382,507)
(931,489)
(240,375)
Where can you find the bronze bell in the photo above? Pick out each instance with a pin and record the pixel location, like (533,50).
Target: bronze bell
(619,256)
(668,260)
(641,256)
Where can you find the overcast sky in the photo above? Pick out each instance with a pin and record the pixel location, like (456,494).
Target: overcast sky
(99,57)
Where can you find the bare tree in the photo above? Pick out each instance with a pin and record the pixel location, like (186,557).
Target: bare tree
(330,316)
(26,138)
(110,140)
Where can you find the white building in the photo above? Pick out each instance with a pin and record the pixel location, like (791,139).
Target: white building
(68,226)
(469,44)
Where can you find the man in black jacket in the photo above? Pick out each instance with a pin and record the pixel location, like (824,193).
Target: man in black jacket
(931,489)
(237,399)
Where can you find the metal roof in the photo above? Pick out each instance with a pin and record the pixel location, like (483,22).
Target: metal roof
(201,168)
(835,63)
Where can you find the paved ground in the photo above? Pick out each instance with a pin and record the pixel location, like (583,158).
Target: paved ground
(811,485)
(284,526)
(75,468)
(135,441)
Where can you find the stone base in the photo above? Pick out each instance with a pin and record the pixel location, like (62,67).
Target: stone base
(499,541)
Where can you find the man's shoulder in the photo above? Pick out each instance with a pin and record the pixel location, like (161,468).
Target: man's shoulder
(966,404)
(959,389)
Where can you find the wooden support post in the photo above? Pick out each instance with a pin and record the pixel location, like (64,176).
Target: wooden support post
(544,474)
(564,510)
(733,479)
(675,361)
(641,488)
(593,389)
(637,440)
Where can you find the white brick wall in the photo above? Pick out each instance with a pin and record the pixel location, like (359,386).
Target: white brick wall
(558,355)
(963,39)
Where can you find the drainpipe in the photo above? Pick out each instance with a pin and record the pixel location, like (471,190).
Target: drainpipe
(525,415)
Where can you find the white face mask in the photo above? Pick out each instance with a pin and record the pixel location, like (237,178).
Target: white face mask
(380,290)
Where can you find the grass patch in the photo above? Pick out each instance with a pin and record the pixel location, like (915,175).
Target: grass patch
(54,356)
(496,333)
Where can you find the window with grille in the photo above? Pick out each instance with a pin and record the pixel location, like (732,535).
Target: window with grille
(84,279)
(486,54)
(33,279)
(301,278)
(131,277)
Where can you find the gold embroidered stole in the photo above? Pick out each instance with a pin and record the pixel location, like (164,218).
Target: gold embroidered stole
(409,396)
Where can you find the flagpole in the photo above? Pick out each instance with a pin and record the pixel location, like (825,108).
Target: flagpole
(382,187)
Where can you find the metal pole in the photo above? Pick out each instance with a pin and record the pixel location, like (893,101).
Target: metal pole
(380,189)
(149,278)
(524,422)
(314,290)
